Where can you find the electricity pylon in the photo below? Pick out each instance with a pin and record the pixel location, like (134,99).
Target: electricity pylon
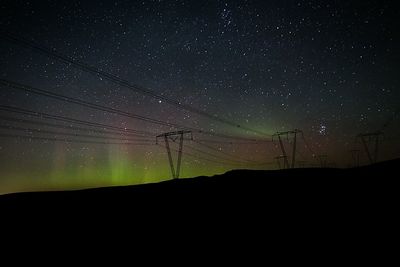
(355,156)
(284,155)
(170,136)
(278,161)
(302,163)
(366,140)
(323,160)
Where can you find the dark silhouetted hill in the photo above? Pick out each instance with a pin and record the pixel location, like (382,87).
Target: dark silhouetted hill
(330,209)
(235,188)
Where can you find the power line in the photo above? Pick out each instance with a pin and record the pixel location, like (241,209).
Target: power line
(115,132)
(206,159)
(8,127)
(67,99)
(146,142)
(70,120)
(67,127)
(224,153)
(226,162)
(238,162)
(215,156)
(70,140)
(49,94)
(115,79)
(234,142)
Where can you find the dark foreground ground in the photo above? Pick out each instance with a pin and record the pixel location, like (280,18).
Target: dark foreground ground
(239,188)
(329,213)
(301,215)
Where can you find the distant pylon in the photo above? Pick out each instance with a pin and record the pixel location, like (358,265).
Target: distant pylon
(284,164)
(284,155)
(332,164)
(366,140)
(323,160)
(355,156)
(169,136)
(302,163)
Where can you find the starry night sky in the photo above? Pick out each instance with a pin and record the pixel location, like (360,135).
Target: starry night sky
(329,68)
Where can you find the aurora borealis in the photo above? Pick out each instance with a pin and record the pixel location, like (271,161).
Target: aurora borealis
(329,69)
